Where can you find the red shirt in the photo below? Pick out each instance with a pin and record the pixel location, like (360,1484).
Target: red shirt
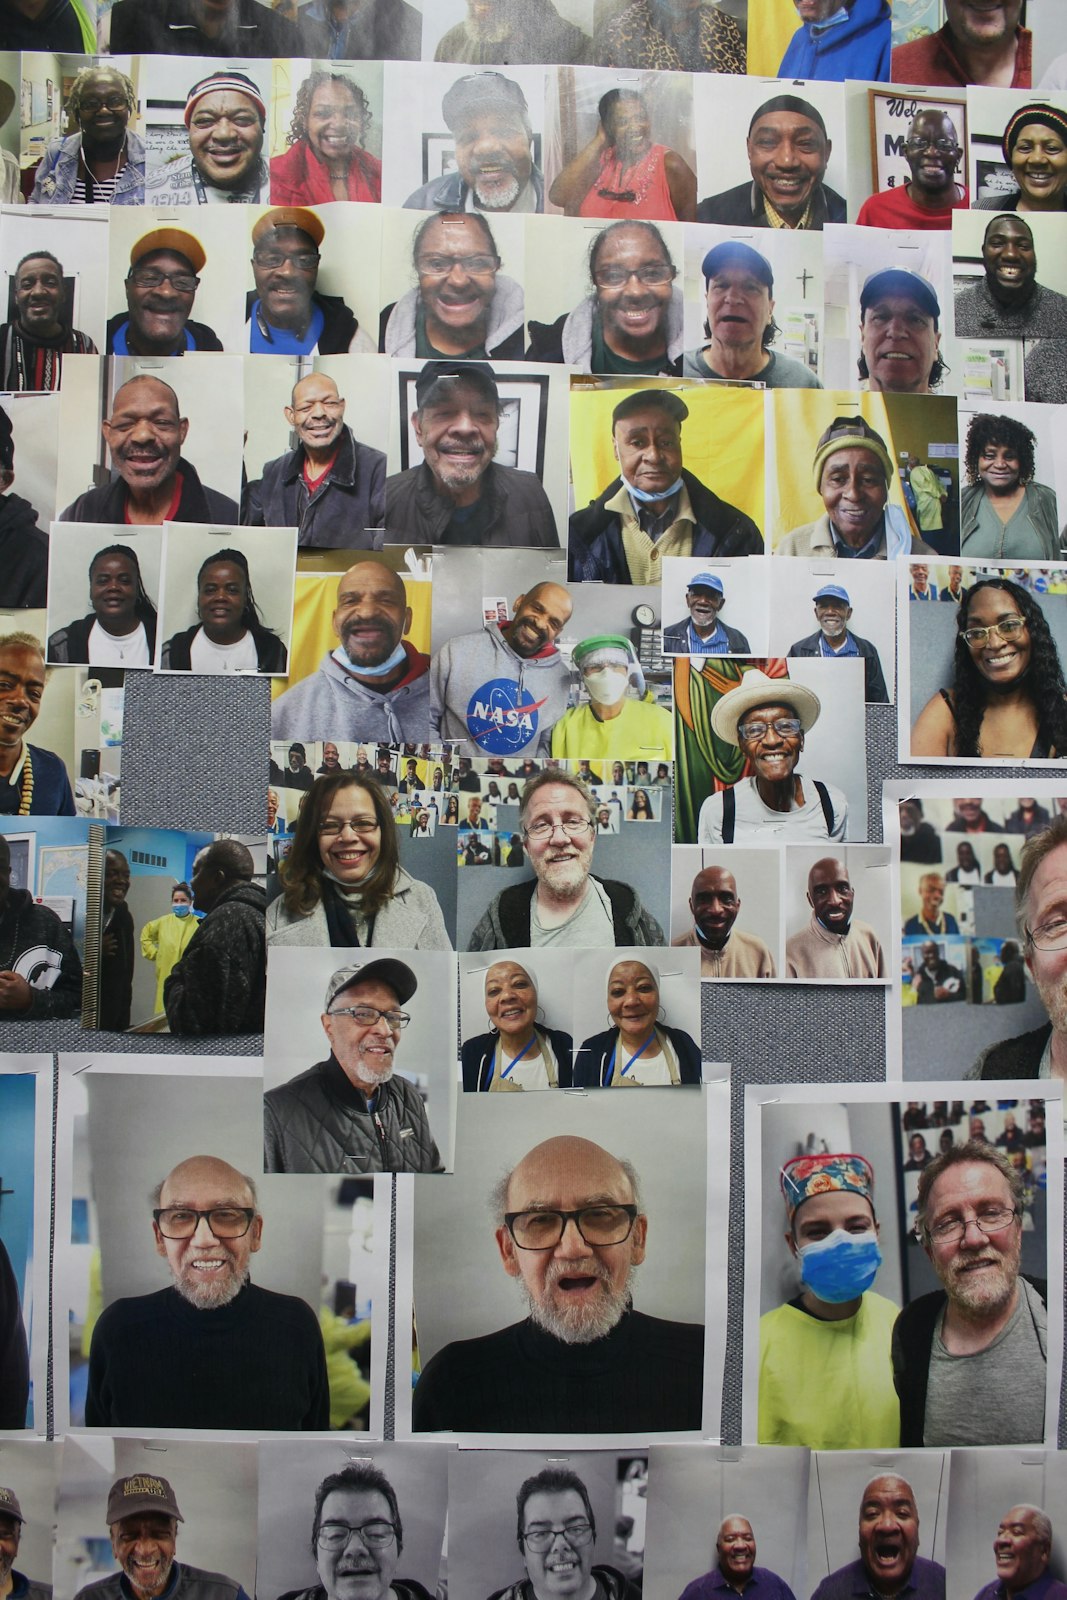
(933,60)
(894,208)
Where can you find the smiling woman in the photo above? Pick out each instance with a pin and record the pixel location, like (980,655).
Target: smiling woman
(639,1048)
(326,159)
(231,636)
(103,163)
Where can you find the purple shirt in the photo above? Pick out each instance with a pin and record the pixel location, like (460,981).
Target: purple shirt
(762,1585)
(1044,1588)
(926,1581)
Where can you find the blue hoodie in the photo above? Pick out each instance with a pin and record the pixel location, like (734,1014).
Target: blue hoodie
(855,45)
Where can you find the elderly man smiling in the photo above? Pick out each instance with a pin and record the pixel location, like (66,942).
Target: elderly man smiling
(890,1565)
(1022,1549)
(143,1518)
(736,1569)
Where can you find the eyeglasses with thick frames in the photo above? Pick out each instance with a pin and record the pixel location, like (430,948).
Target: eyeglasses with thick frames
(367,1016)
(994,1219)
(542,1230)
(271,260)
(573,827)
(154,278)
(225,1222)
(945,147)
(651,272)
(373,1534)
(577,1532)
(1006,628)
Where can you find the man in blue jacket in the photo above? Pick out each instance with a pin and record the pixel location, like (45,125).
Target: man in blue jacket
(840,39)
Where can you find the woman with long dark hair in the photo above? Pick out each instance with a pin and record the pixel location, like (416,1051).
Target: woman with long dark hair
(120,630)
(342,882)
(519,1051)
(1008,696)
(326,159)
(231,635)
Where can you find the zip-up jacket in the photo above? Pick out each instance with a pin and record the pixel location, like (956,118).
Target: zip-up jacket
(341,509)
(521,511)
(320,1122)
(598,555)
(504,704)
(220,983)
(36,945)
(198,503)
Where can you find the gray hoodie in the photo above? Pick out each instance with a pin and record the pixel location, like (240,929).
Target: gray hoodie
(332,704)
(505,319)
(478,686)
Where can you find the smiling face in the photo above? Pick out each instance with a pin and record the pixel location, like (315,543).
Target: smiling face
(933,171)
(1002,662)
(983,23)
(787,155)
(1046,902)
(364,1050)
(538,619)
(736,1546)
(978,1271)
(226,138)
(116,878)
(714,902)
(145,434)
(629,129)
(317,413)
(222,596)
(350,854)
(932,895)
(576,1291)
(457,432)
(104,111)
(633,313)
(335,123)
(1039,164)
(854,492)
(143,1546)
(159,312)
(704,607)
(633,999)
(1020,1549)
(998,468)
(833,618)
(22,681)
(830,894)
(565,1568)
(457,270)
(286,268)
(371,615)
(494,157)
(774,755)
(113,584)
(10,1534)
(1010,259)
(740,307)
(648,448)
(357,1571)
(39,297)
(889,1533)
(208,1272)
(965,855)
(510,998)
(900,345)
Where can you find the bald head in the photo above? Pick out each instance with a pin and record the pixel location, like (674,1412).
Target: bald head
(888,1532)
(570,1160)
(538,618)
(370,618)
(208,1255)
(317,413)
(714,902)
(154,389)
(830,894)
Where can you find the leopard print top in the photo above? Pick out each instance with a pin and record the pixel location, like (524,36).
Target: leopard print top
(632,39)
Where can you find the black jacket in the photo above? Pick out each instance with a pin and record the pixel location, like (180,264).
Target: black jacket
(875,690)
(1014,1058)
(676,639)
(520,510)
(349,500)
(596,549)
(69,646)
(320,1122)
(205,338)
(478,1057)
(168,28)
(594,1059)
(735,206)
(116,972)
(913,1341)
(270,651)
(197,504)
(219,985)
(382,30)
(23,555)
(14,1357)
(339,324)
(546,344)
(35,944)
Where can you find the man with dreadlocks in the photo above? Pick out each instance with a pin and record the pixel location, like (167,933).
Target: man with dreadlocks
(33,782)
(1004,513)
(230,636)
(32,347)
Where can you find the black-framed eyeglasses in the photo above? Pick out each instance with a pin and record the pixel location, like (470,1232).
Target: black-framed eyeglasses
(945,147)
(993,1219)
(651,272)
(374,1534)
(93,103)
(271,260)
(154,278)
(577,1532)
(225,1222)
(598,1225)
(367,1016)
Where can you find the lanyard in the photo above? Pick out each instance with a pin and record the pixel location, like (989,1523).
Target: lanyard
(527,1047)
(614,1054)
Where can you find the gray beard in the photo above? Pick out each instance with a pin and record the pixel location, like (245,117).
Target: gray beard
(499,197)
(210,1296)
(583,1325)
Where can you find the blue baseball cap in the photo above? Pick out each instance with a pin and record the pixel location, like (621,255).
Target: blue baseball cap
(832,591)
(705,580)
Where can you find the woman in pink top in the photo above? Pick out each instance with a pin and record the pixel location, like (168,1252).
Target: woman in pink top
(621,173)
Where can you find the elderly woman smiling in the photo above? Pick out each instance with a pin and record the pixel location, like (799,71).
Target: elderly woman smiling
(853,471)
(326,159)
(518,1052)
(342,882)
(638,1048)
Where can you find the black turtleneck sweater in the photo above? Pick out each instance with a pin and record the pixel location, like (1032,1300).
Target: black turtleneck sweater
(257,1364)
(645,1376)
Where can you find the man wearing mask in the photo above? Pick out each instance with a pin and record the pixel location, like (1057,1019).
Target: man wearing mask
(825,1378)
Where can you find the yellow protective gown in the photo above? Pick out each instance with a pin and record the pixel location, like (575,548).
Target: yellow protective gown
(643,731)
(165,941)
(829,1385)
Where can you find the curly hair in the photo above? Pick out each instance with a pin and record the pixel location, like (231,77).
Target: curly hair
(298,127)
(985,430)
(301,871)
(1044,679)
(145,610)
(77,89)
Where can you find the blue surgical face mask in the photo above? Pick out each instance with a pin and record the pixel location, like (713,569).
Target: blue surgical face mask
(645,497)
(390,664)
(181,911)
(840,1267)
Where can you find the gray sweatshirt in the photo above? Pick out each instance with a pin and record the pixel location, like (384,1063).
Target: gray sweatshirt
(479,687)
(331,704)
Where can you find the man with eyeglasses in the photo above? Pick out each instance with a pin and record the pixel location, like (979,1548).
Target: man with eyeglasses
(349,1114)
(571,1230)
(927,200)
(161,286)
(564,904)
(1008,302)
(357,1539)
(331,488)
(143,1518)
(219,985)
(287,315)
(32,347)
(213,1350)
(1041,920)
(969,1361)
(655,507)
(557,1542)
(226,116)
(463,305)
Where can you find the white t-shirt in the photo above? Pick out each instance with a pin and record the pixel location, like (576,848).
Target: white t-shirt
(758,824)
(207,657)
(122,650)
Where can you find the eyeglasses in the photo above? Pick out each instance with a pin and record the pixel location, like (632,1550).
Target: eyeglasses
(110,102)
(573,827)
(651,272)
(1050,935)
(994,1219)
(328,403)
(225,1222)
(542,1230)
(367,1016)
(945,147)
(271,260)
(330,827)
(785,727)
(440,266)
(577,1532)
(1007,628)
(153,278)
(335,1535)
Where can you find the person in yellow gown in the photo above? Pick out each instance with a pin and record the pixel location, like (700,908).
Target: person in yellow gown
(166,939)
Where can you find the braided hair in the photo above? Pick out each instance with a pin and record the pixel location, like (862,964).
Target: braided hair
(146,611)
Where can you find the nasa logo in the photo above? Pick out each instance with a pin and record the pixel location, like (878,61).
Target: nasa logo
(502,718)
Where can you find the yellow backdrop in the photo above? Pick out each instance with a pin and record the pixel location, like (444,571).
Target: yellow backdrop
(800,417)
(313,635)
(771,25)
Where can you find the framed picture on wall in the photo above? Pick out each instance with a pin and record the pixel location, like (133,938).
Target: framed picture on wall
(890,114)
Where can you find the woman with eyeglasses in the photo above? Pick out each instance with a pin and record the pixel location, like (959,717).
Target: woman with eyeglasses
(1008,697)
(639,1048)
(342,882)
(103,163)
(518,1052)
(622,173)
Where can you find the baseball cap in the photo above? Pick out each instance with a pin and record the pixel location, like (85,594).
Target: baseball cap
(289,217)
(396,975)
(141,1491)
(705,580)
(734,253)
(832,591)
(899,280)
(482,91)
(478,373)
(9,1505)
(173,239)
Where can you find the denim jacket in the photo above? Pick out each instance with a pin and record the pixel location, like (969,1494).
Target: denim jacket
(58,173)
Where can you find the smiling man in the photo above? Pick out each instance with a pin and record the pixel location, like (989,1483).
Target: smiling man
(740,325)
(655,507)
(462,305)
(143,1517)
(736,1569)
(899,334)
(33,781)
(981,42)
(1021,1551)
(161,287)
(725,951)
(375,684)
(287,314)
(557,1535)
(1009,302)
(213,1350)
(32,347)
(788,153)
(357,1539)
(969,1360)
(15,1585)
(349,1114)
(331,488)
(571,1230)
(459,495)
(932,150)
(225,114)
(890,1564)
(834,946)
(704,633)
(834,640)
(495,168)
(40,976)
(503,688)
